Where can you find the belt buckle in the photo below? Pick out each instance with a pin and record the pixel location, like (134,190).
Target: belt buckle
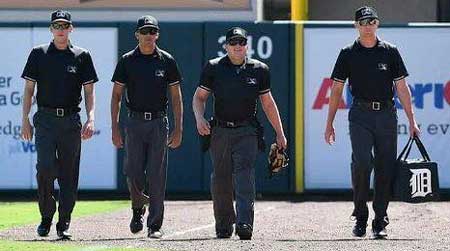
(376,106)
(147,116)
(230,124)
(60,112)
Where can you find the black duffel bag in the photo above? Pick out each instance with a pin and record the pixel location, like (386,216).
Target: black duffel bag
(416,180)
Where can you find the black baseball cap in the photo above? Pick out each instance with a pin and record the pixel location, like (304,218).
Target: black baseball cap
(61,16)
(365,12)
(147,21)
(236,32)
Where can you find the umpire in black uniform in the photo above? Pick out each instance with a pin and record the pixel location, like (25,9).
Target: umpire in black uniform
(146,73)
(236,83)
(59,70)
(374,69)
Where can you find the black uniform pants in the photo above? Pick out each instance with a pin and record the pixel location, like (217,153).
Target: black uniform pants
(233,153)
(373,137)
(58,144)
(146,166)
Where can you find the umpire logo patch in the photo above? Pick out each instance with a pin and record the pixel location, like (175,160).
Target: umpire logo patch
(160,73)
(251,81)
(382,67)
(72,69)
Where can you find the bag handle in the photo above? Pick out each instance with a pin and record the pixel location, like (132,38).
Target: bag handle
(422,149)
(407,149)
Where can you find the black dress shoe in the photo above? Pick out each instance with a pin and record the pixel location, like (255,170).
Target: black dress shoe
(44,228)
(224,233)
(154,234)
(137,222)
(64,235)
(379,233)
(62,230)
(379,228)
(359,230)
(244,231)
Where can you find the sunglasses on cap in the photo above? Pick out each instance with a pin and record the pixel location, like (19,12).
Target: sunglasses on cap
(60,26)
(240,41)
(146,31)
(368,21)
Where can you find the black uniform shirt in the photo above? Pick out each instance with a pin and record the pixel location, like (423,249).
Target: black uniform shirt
(235,88)
(59,74)
(146,78)
(371,71)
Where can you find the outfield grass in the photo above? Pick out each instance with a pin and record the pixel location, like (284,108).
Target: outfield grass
(14,214)
(22,213)
(45,246)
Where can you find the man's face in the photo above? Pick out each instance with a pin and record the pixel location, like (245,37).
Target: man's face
(367,26)
(147,36)
(61,30)
(237,48)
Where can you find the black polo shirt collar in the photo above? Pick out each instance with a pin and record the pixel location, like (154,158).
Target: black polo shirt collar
(358,45)
(52,48)
(156,52)
(247,61)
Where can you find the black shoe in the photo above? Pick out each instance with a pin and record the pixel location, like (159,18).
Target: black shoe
(359,230)
(244,231)
(62,229)
(154,234)
(224,233)
(137,222)
(44,228)
(379,228)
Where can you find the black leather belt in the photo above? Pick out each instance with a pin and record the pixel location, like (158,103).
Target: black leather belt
(146,115)
(374,105)
(59,112)
(232,124)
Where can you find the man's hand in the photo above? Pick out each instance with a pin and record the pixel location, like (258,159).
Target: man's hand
(414,130)
(203,126)
(281,141)
(26,131)
(88,130)
(330,136)
(117,137)
(175,137)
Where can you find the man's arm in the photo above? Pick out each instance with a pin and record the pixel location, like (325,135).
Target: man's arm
(336,94)
(89,101)
(271,110)
(116,99)
(198,105)
(404,95)
(175,138)
(27,133)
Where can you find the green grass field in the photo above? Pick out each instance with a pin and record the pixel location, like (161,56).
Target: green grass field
(14,214)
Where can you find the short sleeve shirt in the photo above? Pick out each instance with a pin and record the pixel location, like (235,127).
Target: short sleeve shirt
(59,74)
(371,72)
(146,79)
(236,88)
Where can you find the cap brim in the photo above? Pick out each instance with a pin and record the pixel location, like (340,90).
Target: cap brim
(237,36)
(367,17)
(62,20)
(148,26)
